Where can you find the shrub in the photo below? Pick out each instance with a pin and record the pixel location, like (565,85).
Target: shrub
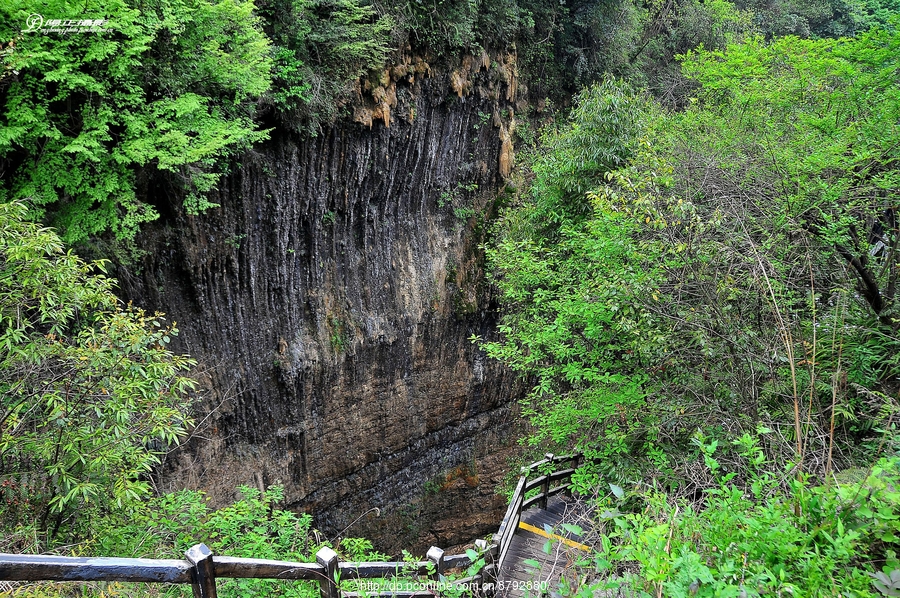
(765,538)
(90,395)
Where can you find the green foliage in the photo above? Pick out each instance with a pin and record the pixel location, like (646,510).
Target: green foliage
(741,268)
(448,25)
(669,29)
(564,46)
(804,539)
(166,86)
(829,18)
(251,527)
(359,549)
(601,135)
(460,200)
(573,279)
(830,149)
(172,523)
(90,396)
(735,271)
(320,50)
(561,46)
(93,123)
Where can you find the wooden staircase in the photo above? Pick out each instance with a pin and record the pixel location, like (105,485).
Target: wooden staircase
(531,570)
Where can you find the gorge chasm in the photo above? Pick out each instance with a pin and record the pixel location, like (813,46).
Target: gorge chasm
(329,301)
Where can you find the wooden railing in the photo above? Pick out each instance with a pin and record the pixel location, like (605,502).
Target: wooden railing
(201,568)
(545,482)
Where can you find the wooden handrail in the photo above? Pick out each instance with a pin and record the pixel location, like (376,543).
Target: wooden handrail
(518,503)
(201,568)
(17,567)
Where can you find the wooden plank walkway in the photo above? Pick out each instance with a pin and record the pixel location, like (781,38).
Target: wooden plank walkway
(517,579)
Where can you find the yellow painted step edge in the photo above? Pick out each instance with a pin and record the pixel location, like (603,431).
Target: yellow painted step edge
(566,541)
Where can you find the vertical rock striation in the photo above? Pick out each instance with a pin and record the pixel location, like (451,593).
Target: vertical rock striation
(329,301)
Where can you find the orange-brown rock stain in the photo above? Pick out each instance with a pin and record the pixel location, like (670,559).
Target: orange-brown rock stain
(376,97)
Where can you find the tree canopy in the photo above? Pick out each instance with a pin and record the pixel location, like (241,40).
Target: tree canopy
(166,86)
(758,224)
(705,301)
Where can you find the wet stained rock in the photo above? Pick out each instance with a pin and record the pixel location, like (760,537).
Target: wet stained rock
(329,301)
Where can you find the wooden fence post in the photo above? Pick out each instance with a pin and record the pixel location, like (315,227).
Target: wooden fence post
(436,556)
(203,573)
(545,487)
(328,587)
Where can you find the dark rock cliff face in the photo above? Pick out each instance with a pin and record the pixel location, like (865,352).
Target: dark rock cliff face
(329,301)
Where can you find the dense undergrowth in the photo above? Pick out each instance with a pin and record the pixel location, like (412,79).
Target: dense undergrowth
(91,398)
(772,534)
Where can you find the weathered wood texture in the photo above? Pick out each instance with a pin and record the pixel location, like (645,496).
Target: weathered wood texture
(228,566)
(513,577)
(328,587)
(518,503)
(516,578)
(203,574)
(374,570)
(15,567)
